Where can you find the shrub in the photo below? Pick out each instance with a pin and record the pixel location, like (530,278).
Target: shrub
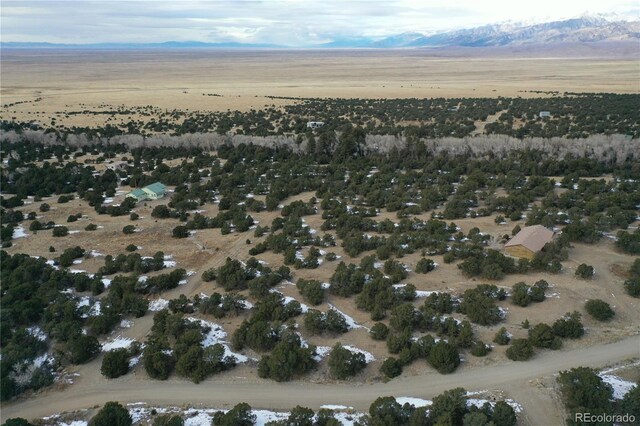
(632,286)
(112,414)
(502,337)
(583,390)
(599,309)
(479,349)
(520,294)
(134,216)
(584,271)
(115,363)
(379,331)
(287,360)
(311,290)
(44,207)
(168,420)
(240,415)
(91,227)
(444,357)
(60,231)
(520,350)
(542,336)
(180,231)
(425,265)
(343,363)
(83,348)
(391,367)
(131,248)
(129,229)
(569,327)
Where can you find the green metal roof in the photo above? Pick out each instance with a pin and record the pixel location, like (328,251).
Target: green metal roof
(138,193)
(156,187)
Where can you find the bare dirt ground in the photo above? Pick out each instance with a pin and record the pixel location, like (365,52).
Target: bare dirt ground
(53,82)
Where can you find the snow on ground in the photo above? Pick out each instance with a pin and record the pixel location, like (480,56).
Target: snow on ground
(416,402)
(215,335)
(326,285)
(37,332)
(88,308)
(78,261)
(106,282)
(73,423)
(158,305)
(19,232)
(74,232)
(336,407)
(95,253)
(620,386)
(368,356)
(135,361)
(419,293)
(479,402)
(125,323)
(351,323)
(168,262)
(117,343)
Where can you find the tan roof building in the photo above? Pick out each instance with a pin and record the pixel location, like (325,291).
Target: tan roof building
(529,241)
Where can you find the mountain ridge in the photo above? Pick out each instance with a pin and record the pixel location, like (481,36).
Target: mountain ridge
(584,29)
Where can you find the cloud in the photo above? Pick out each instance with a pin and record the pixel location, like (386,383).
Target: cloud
(289,22)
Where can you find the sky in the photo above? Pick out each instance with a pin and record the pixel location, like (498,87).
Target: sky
(283,22)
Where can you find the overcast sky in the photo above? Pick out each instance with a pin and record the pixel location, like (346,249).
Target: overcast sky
(287,22)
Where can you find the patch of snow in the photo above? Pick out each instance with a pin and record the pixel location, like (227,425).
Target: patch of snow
(416,402)
(19,232)
(117,343)
(169,263)
(95,253)
(321,352)
(336,407)
(351,323)
(216,335)
(135,361)
(106,282)
(620,387)
(368,356)
(37,332)
(74,232)
(158,305)
(77,261)
(125,323)
(325,285)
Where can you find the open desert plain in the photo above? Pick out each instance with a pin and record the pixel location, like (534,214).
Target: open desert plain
(415,235)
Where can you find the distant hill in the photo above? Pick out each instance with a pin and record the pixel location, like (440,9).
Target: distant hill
(579,30)
(585,29)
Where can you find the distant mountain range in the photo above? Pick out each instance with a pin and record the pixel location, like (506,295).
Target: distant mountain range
(585,29)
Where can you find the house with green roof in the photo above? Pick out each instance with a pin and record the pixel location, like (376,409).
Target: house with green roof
(155,190)
(138,194)
(150,192)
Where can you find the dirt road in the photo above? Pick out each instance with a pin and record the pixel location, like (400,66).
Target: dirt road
(510,377)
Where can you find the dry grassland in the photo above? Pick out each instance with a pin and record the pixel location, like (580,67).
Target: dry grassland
(74,80)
